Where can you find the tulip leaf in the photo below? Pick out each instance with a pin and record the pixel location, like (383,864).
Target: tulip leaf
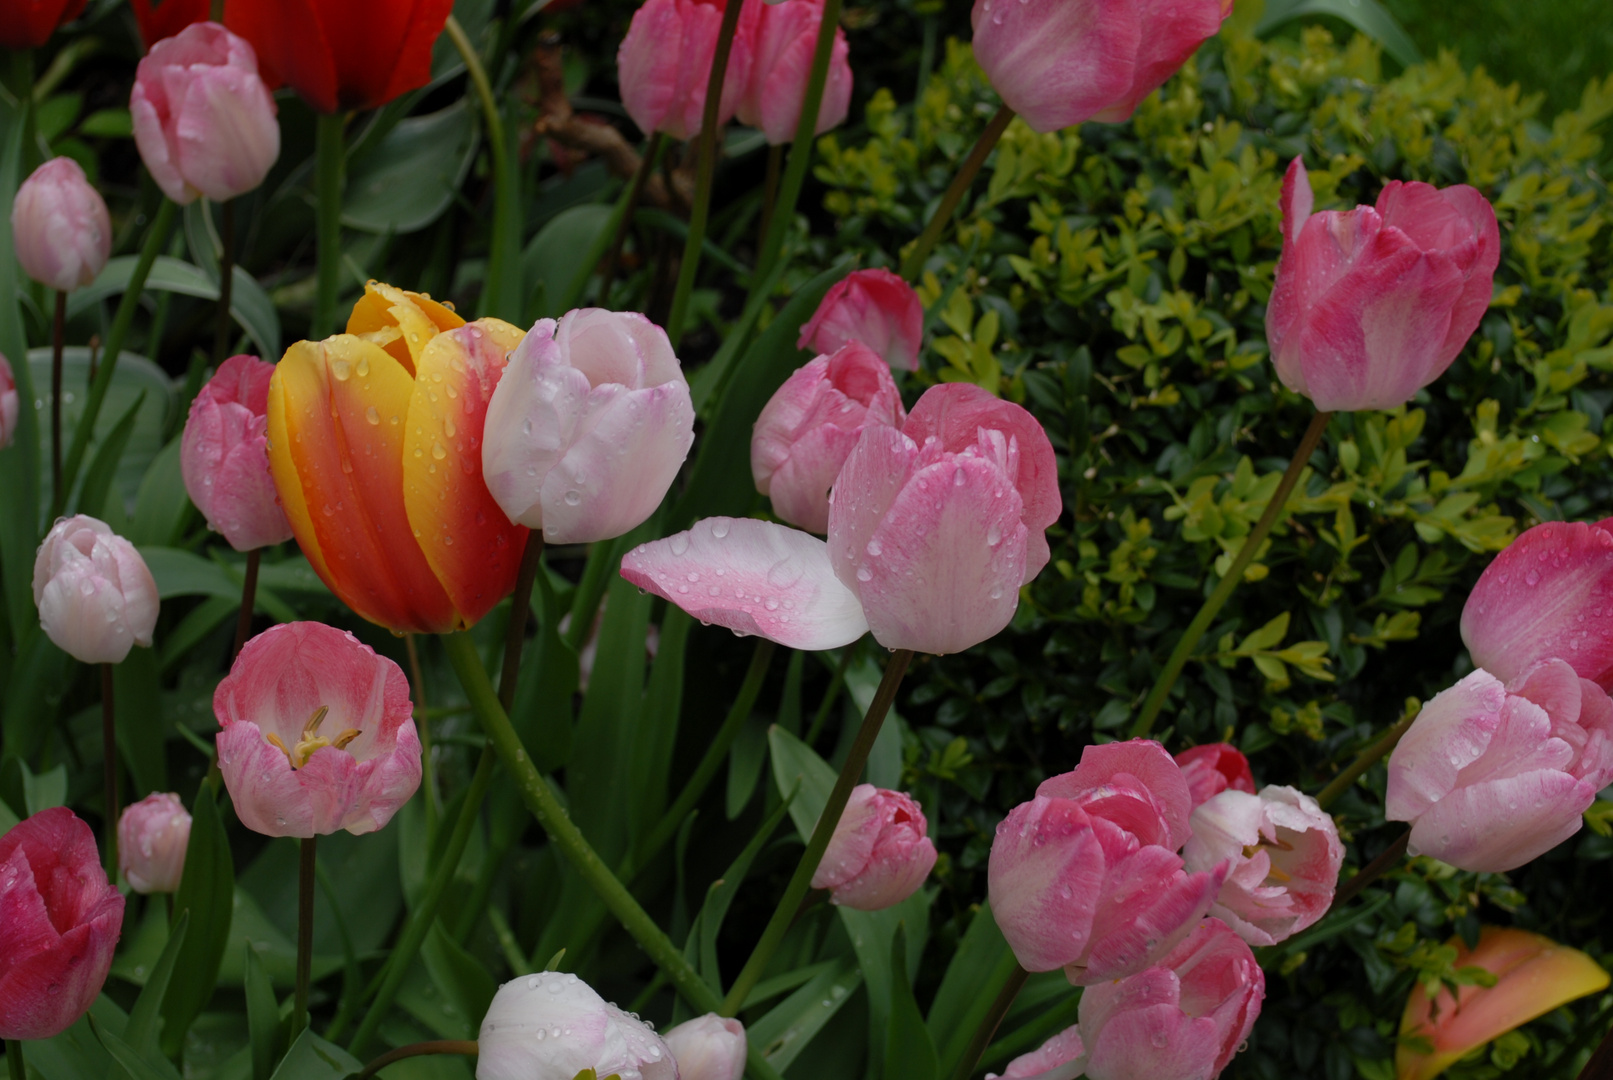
(871,934)
(207,892)
(262,1014)
(313,1058)
(542,709)
(409,178)
(141,1031)
(745,761)
(140,1066)
(1367,16)
(92,496)
(78,1053)
(463,981)
(137,697)
(790,1025)
(909,1050)
(794,762)
(662,713)
(162,505)
(33,687)
(19,462)
(249,304)
(559,255)
(978,971)
(725,888)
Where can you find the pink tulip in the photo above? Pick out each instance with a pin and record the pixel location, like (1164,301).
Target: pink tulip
(203,120)
(59,224)
(224,456)
(1213,768)
(1063,62)
(665,60)
(553,1026)
(59,922)
(879,854)
(95,596)
(1373,304)
(1546,596)
(875,308)
(1085,876)
(8,404)
(807,429)
(1059,1058)
(152,837)
(782,38)
(1492,775)
(588,426)
(709,1047)
(318,733)
(1283,852)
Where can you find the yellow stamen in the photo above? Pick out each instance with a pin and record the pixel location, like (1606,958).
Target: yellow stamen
(312,726)
(274,740)
(346,737)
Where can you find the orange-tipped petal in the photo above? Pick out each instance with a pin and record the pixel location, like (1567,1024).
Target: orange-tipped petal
(1534,975)
(402,323)
(471,545)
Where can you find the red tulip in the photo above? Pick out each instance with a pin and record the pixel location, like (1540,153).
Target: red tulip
(28,24)
(1213,768)
(167,18)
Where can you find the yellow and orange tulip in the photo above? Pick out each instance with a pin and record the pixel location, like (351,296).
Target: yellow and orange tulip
(375,445)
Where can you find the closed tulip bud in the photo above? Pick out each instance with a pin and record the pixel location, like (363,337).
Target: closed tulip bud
(203,120)
(95,596)
(8,404)
(1213,768)
(224,457)
(807,429)
(62,921)
(879,854)
(1063,62)
(1059,1058)
(1373,304)
(709,1047)
(665,60)
(553,1026)
(59,224)
(1492,775)
(589,426)
(318,733)
(782,38)
(152,837)
(30,24)
(874,308)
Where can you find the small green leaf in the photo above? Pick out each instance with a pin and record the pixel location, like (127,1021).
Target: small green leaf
(312,1058)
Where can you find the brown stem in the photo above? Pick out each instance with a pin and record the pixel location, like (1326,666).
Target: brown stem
(423,728)
(249,599)
(989,1024)
(58,341)
(520,608)
(306,878)
(1364,761)
(913,265)
(635,190)
(1600,1066)
(775,164)
(1372,871)
(467,1047)
(109,750)
(226,283)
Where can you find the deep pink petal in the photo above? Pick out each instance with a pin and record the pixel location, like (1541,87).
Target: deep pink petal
(1045,876)
(1148,904)
(1452,731)
(1058,63)
(1147,761)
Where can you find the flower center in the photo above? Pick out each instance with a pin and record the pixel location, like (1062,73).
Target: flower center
(1274,873)
(311,740)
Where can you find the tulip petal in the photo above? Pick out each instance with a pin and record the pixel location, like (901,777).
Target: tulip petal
(1450,733)
(291,44)
(1026,50)
(1060,1058)
(1501,824)
(402,323)
(1154,1042)
(1146,760)
(1044,878)
(1149,904)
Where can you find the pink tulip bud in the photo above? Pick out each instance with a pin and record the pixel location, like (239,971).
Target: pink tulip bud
(152,837)
(588,426)
(203,120)
(8,404)
(665,60)
(1085,876)
(62,919)
(224,456)
(553,1026)
(318,733)
(1546,596)
(1057,1058)
(807,429)
(879,854)
(1213,768)
(873,307)
(59,224)
(1373,304)
(1283,852)
(782,38)
(709,1047)
(95,596)
(1063,62)
(1492,775)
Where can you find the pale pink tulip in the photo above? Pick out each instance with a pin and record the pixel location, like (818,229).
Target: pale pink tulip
(1059,1058)
(1213,768)
(1492,775)
(782,38)
(203,119)
(95,595)
(1085,876)
(553,1026)
(8,403)
(224,457)
(588,426)
(709,1047)
(807,429)
(665,60)
(875,308)
(879,854)
(152,837)
(1373,304)
(60,227)
(1063,62)
(1547,595)
(1283,853)
(318,733)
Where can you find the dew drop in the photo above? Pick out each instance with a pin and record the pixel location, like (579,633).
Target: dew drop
(373,415)
(719,529)
(679,543)
(573,498)
(864,574)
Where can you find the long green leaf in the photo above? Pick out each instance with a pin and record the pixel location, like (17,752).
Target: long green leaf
(141,1031)
(791,1024)
(262,1015)
(1367,16)
(140,1066)
(909,1050)
(137,694)
(19,462)
(725,888)
(312,1058)
(104,465)
(250,306)
(207,892)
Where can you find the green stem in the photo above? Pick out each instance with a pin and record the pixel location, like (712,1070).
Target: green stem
(775,165)
(1371,872)
(836,684)
(307,878)
(520,609)
(1234,575)
(14,1062)
(155,238)
(850,775)
(330,159)
(466,1047)
(109,780)
(58,341)
(913,265)
(249,596)
(226,284)
(989,1024)
(1364,761)
(494,302)
(417,678)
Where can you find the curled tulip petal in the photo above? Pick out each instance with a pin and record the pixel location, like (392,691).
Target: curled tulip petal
(1213,768)
(1139,766)
(1060,1058)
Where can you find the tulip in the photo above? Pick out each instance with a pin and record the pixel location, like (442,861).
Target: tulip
(62,921)
(8,404)
(1546,596)
(318,733)
(164,19)
(152,837)
(589,427)
(875,308)
(1213,768)
(709,1047)
(807,429)
(28,24)
(1059,1058)
(1534,975)
(95,596)
(879,854)
(553,1026)
(665,60)
(783,37)
(375,448)
(224,457)
(1492,775)
(1283,853)
(59,224)
(203,119)
(1085,876)
(1063,62)
(1373,304)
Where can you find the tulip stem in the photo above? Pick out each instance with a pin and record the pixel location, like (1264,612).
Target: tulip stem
(913,265)
(832,694)
(109,753)
(14,1062)
(520,611)
(307,878)
(1371,872)
(989,1023)
(506,185)
(422,725)
(775,165)
(850,775)
(58,340)
(329,155)
(1234,575)
(1599,1067)
(466,1047)
(226,285)
(635,189)
(249,597)
(1364,761)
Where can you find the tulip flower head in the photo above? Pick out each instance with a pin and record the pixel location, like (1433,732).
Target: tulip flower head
(1059,1058)
(709,1047)
(95,595)
(224,457)
(1373,304)
(60,226)
(665,60)
(152,837)
(30,24)
(62,921)
(8,403)
(318,733)
(879,854)
(875,308)
(1213,768)
(158,19)
(807,429)
(782,38)
(552,1026)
